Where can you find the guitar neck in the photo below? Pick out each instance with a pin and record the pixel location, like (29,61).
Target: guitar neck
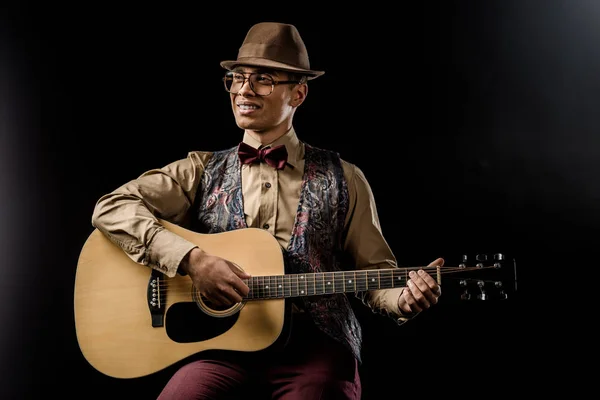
(321,283)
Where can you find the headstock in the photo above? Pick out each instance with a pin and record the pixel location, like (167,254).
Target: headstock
(482,277)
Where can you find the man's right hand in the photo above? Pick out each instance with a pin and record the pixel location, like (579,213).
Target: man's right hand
(217,279)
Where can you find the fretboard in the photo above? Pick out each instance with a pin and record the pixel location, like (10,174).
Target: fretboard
(320,283)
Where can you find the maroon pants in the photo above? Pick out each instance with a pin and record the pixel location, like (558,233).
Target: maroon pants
(311,367)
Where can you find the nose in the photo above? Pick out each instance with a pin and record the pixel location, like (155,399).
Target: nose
(246,89)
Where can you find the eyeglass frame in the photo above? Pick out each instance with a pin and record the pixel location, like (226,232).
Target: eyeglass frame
(247,79)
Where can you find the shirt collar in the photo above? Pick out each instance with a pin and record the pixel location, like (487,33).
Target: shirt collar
(290,140)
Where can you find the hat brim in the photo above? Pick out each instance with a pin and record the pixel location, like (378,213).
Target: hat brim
(262,62)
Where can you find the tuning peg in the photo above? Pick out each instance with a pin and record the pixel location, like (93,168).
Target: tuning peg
(465,295)
(481,257)
(482,295)
(498,258)
(501,293)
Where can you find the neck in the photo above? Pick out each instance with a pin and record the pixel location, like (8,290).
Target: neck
(269,136)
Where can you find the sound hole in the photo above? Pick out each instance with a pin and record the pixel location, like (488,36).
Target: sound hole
(213,309)
(185,323)
(213,306)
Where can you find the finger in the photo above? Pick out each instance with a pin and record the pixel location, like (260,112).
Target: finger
(239,286)
(412,297)
(438,262)
(428,286)
(410,304)
(239,271)
(218,299)
(419,279)
(232,295)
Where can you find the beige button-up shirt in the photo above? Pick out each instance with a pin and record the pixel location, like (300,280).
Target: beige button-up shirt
(128,215)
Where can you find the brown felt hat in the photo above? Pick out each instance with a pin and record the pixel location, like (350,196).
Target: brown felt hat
(274,45)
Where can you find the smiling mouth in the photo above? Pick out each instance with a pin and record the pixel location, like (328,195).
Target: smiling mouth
(247,107)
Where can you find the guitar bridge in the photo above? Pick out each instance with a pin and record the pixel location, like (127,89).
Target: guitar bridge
(156,297)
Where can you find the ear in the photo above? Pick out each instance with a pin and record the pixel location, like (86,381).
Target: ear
(299,94)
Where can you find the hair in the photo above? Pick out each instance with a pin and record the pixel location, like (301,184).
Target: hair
(297,77)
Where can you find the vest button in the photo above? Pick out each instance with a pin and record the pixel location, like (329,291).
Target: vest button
(266,226)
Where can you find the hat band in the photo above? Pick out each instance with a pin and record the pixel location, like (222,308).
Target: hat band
(279,54)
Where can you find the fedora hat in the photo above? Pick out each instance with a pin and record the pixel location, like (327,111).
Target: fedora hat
(274,45)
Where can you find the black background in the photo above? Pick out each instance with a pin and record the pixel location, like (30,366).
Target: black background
(476,124)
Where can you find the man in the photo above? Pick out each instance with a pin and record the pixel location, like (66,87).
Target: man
(319,207)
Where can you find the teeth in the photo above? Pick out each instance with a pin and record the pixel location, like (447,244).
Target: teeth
(247,107)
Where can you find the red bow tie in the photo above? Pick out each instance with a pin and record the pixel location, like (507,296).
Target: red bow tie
(276,157)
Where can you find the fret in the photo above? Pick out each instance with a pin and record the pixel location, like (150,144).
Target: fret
(294,285)
(319,283)
(372,279)
(310,285)
(302,285)
(329,283)
(258,288)
(386,279)
(266,286)
(250,294)
(263,290)
(305,283)
(273,283)
(398,281)
(338,278)
(349,281)
(280,293)
(288,285)
(272,286)
(361,281)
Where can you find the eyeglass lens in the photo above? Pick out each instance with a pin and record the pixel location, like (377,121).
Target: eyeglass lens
(261,84)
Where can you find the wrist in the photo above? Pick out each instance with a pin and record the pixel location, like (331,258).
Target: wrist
(185,263)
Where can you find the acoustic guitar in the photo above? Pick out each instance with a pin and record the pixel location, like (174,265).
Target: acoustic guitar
(132,321)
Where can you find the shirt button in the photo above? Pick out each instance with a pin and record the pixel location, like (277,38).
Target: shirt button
(266,226)
(268,185)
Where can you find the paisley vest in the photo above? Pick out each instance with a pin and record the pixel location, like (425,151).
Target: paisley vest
(316,241)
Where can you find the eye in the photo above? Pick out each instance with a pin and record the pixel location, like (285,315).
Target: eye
(264,79)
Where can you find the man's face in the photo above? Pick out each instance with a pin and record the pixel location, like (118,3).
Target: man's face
(262,113)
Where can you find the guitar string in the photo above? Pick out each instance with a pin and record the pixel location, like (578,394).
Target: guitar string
(341,274)
(318,287)
(384,274)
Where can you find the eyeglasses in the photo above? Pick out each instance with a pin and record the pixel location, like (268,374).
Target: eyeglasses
(261,84)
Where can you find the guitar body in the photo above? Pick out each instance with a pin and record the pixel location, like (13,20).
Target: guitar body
(122,334)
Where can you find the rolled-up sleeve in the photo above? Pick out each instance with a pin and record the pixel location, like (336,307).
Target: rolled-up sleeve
(129,215)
